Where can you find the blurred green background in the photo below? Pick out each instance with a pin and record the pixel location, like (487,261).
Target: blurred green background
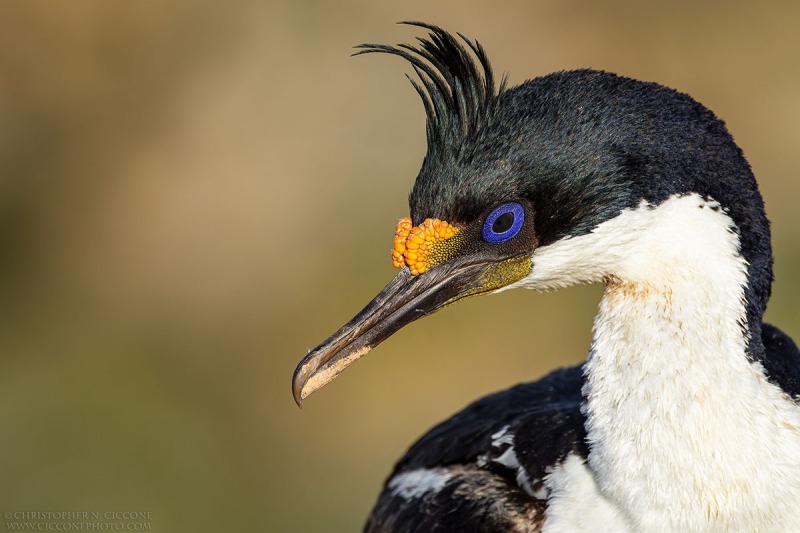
(194,193)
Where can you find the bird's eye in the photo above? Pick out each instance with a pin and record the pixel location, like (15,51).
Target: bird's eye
(503,223)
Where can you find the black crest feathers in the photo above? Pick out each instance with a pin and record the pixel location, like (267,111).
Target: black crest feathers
(456,83)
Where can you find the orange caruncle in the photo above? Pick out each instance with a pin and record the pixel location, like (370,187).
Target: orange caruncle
(414,246)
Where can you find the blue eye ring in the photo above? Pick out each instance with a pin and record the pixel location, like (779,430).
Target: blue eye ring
(499,226)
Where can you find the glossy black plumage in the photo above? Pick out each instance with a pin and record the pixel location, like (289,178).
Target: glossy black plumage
(782,360)
(546,422)
(545,418)
(589,143)
(475,500)
(467,435)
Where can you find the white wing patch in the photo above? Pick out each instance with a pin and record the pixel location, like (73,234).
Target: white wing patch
(503,440)
(416,483)
(502,437)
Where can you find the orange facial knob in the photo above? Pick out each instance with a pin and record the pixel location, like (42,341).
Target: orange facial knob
(400,235)
(416,246)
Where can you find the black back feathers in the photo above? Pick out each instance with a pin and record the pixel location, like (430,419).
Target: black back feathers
(456,84)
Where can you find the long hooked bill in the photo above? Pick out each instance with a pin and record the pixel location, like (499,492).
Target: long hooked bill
(405,299)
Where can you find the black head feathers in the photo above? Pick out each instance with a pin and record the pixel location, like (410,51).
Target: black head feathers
(580,146)
(456,84)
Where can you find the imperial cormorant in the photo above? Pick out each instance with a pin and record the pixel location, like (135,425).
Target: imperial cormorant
(685,415)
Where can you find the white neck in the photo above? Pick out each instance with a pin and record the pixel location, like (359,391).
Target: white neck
(685,433)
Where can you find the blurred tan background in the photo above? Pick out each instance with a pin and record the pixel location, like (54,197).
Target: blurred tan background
(193,194)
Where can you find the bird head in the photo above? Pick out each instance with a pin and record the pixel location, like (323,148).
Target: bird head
(514,177)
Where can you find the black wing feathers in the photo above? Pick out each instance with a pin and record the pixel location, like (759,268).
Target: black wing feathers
(546,423)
